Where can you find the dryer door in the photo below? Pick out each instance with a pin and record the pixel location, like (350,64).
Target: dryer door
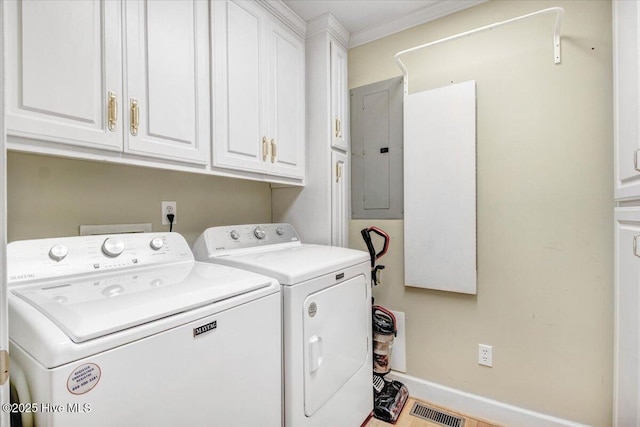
(336,339)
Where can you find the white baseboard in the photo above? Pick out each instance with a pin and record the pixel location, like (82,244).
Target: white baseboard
(478,406)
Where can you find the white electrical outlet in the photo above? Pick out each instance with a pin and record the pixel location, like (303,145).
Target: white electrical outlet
(485,355)
(169,208)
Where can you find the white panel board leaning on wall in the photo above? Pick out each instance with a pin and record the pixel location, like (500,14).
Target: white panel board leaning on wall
(440,188)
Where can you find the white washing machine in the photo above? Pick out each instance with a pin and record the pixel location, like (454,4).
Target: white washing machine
(128,329)
(326,313)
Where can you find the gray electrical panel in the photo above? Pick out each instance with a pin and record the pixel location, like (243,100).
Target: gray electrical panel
(376,150)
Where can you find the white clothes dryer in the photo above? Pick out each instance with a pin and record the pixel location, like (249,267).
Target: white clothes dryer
(326,313)
(128,329)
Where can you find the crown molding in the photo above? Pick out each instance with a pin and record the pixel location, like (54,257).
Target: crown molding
(287,16)
(429,13)
(330,24)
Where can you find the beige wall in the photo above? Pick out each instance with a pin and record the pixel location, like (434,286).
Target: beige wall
(50,197)
(544,210)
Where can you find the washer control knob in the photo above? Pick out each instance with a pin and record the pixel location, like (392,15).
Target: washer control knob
(279,231)
(156,243)
(113,247)
(259,233)
(234,234)
(58,252)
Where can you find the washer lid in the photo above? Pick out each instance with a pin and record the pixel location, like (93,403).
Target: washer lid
(296,264)
(92,307)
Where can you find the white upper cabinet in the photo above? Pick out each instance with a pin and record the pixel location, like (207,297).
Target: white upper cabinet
(68,85)
(626,37)
(206,86)
(339,97)
(64,68)
(238,87)
(258,91)
(166,94)
(286,103)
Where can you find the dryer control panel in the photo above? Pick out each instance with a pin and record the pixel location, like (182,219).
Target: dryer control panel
(29,260)
(217,240)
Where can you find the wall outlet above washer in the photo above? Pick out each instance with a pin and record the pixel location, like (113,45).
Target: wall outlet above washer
(169,208)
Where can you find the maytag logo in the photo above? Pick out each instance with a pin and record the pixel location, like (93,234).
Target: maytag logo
(22,276)
(205,328)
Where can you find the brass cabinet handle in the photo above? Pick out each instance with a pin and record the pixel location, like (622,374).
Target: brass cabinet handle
(635,245)
(265,149)
(4,366)
(273,151)
(112,113)
(635,160)
(338,128)
(134,116)
(338,171)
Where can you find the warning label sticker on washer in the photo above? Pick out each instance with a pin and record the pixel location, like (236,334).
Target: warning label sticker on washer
(83,378)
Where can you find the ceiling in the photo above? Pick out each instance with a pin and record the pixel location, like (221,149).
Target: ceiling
(373,19)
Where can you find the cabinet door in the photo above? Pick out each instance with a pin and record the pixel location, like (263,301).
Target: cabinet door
(626,98)
(286,102)
(627,318)
(167,79)
(240,79)
(340,198)
(339,98)
(64,63)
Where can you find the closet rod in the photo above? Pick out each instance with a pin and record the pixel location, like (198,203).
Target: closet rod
(556,38)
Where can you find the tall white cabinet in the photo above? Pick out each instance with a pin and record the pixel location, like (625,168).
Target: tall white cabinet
(626,35)
(320,211)
(627,313)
